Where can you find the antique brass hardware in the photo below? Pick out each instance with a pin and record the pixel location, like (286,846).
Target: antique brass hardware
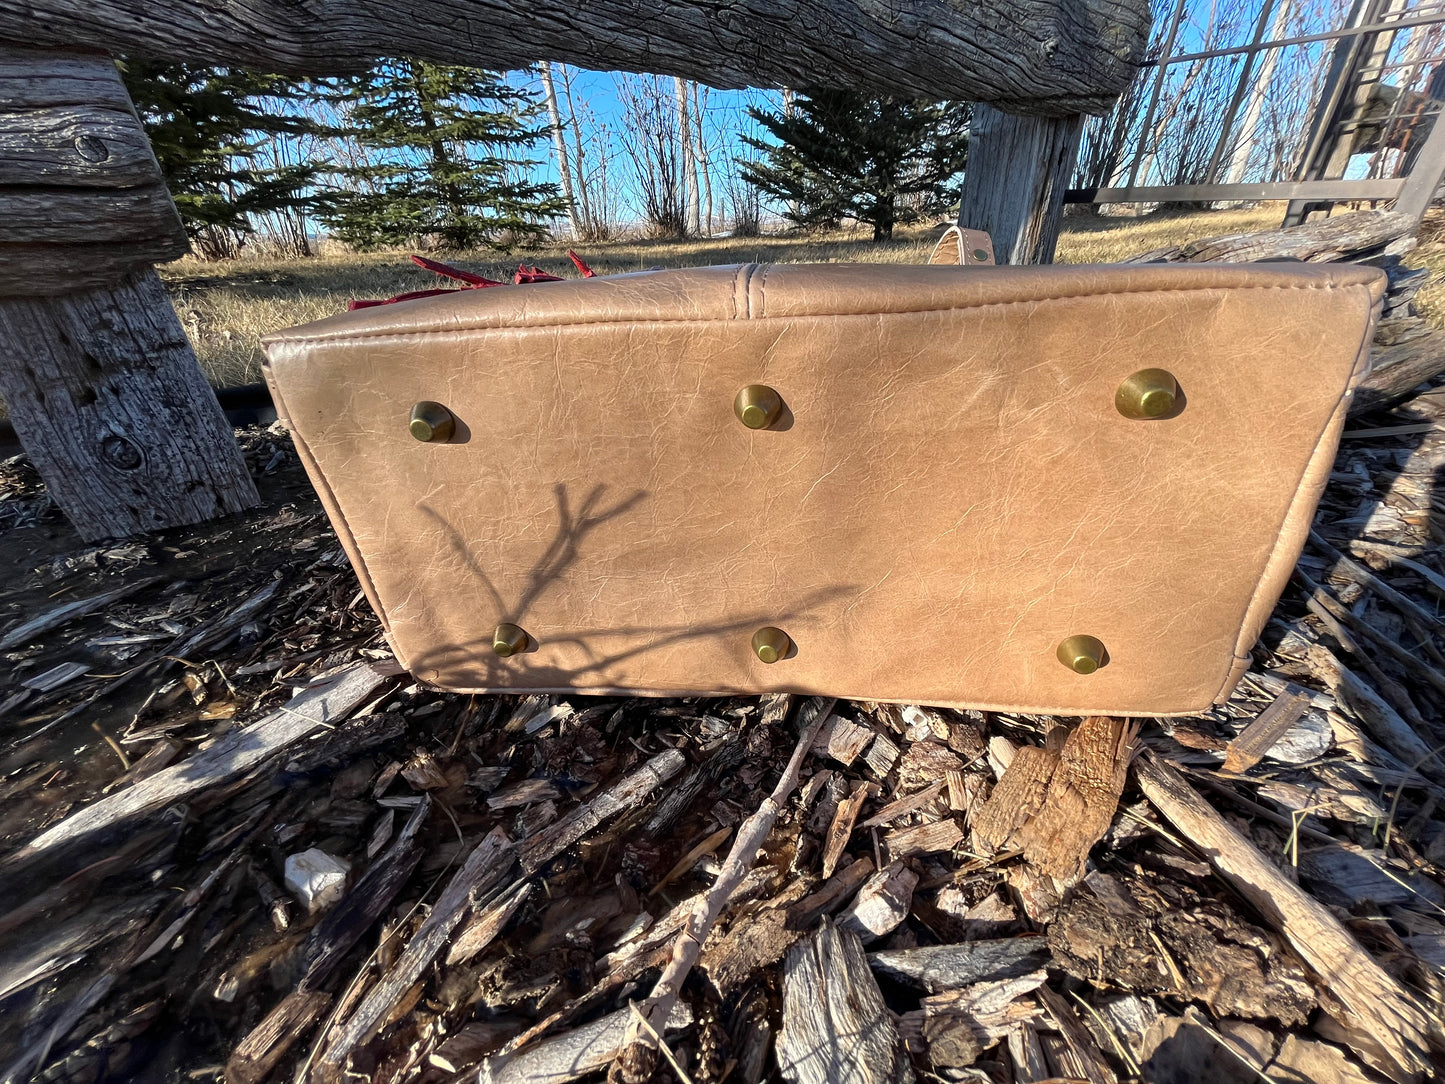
(432,422)
(1149,393)
(509,640)
(770,644)
(758,406)
(1082,654)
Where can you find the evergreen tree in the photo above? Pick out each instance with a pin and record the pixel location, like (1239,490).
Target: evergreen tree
(205,125)
(445,145)
(840,154)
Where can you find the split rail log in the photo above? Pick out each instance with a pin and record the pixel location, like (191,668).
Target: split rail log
(101,384)
(1045,57)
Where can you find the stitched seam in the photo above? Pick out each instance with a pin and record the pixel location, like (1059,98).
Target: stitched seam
(1254,597)
(397,333)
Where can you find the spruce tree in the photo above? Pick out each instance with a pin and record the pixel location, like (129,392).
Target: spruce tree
(843,154)
(447,150)
(205,124)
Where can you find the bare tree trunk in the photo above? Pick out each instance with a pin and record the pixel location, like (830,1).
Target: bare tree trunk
(579,172)
(699,111)
(559,146)
(689,171)
(1258,92)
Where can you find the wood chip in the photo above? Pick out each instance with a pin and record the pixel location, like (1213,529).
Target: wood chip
(842,740)
(1017,797)
(932,838)
(904,806)
(1268,727)
(1385,1025)
(484,868)
(882,755)
(841,830)
(238,752)
(938,968)
(483,928)
(574,1053)
(883,902)
(836,1029)
(1082,796)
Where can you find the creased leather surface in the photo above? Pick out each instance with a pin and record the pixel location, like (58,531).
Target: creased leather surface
(951,493)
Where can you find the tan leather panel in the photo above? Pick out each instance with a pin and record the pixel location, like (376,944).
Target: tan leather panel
(951,493)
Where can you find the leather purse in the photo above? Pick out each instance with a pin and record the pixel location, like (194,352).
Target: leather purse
(1065,490)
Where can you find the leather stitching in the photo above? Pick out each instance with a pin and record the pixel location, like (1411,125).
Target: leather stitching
(454,330)
(1361,369)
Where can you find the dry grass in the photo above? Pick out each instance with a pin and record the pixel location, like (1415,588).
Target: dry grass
(227,307)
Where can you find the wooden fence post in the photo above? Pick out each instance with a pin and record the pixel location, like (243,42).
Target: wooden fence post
(1013,186)
(101,383)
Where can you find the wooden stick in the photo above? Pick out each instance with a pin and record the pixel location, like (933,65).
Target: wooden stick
(1326,601)
(484,868)
(236,753)
(627,792)
(1386,1027)
(1261,735)
(1371,709)
(1362,575)
(751,835)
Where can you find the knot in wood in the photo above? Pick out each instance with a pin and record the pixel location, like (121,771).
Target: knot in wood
(91,149)
(120,453)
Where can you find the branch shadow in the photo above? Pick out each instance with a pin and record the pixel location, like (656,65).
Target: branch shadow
(562,554)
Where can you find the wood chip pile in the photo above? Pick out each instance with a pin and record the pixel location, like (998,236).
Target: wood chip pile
(237,843)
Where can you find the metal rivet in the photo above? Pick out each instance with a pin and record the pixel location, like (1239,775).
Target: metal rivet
(509,640)
(771,644)
(432,422)
(758,406)
(980,254)
(1149,393)
(1082,654)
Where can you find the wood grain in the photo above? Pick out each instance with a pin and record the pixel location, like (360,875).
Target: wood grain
(1385,1025)
(114,412)
(1044,56)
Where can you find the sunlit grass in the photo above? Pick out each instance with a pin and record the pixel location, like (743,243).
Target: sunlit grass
(226,307)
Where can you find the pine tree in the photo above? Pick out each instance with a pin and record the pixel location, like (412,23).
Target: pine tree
(205,125)
(840,154)
(447,147)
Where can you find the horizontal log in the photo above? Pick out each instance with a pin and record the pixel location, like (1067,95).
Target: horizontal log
(88,216)
(39,79)
(75,145)
(81,195)
(1049,57)
(49,270)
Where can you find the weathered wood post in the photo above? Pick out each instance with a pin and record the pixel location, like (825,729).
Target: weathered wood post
(99,378)
(1013,186)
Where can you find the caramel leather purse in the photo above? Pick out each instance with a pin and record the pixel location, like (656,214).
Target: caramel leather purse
(1067,490)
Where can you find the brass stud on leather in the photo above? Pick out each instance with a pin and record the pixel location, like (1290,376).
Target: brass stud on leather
(758,406)
(1082,654)
(432,422)
(509,640)
(1149,393)
(770,644)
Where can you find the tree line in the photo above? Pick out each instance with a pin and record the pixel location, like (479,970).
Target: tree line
(417,154)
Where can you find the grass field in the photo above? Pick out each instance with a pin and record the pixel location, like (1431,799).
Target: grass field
(226,307)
